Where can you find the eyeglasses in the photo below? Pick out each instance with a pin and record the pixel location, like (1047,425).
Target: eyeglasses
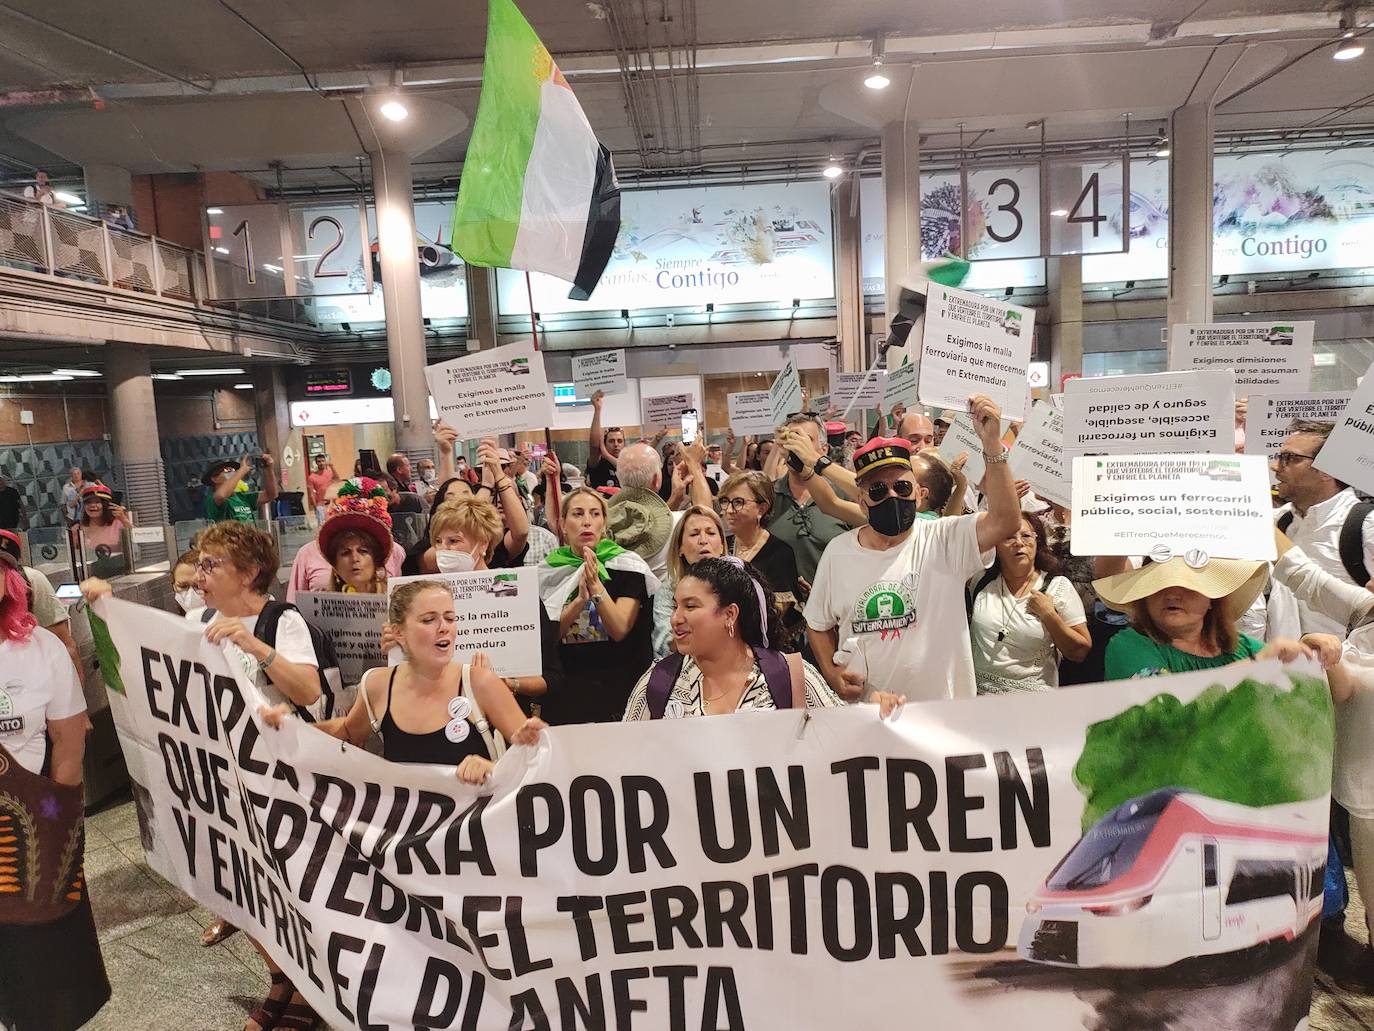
(735,504)
(1289,457)
(878,491)
(209,565)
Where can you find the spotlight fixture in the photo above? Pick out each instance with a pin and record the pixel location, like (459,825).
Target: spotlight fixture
(832,170)
(1162,149)
(395,111)
(1060,212)
(877,79)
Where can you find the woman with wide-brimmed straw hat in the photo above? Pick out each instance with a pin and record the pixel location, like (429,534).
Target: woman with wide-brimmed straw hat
(1183,617)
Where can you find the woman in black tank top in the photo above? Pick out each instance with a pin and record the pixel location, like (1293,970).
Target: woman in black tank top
(418,707)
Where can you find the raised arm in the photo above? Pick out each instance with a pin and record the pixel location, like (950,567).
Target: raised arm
(1004,512)
(270,486)
(230,485)
(446,440)
(595,454)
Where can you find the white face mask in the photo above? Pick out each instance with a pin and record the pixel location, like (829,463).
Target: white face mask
(190,599)
(455,561)
(428,476)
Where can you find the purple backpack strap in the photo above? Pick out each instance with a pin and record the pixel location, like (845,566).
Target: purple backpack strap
(661,681)
(777,675)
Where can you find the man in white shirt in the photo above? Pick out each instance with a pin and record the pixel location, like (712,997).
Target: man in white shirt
(896,586)
(42,191)
(1325,517)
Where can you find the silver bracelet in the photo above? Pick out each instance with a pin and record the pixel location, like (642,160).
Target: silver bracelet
(996,459)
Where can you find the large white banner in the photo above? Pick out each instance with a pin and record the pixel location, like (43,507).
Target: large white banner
(1264,356)
(1164,411)
(1011,861)
(699,245)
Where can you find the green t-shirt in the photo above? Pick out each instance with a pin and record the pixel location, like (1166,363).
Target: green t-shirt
(1131,654)
(241,506)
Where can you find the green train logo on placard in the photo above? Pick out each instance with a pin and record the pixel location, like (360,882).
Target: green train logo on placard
(10,723)
(886,607)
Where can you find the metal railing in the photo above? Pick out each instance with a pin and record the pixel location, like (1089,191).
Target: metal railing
(73,247)
(69,245)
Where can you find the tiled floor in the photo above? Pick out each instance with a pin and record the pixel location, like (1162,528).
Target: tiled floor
(164,979)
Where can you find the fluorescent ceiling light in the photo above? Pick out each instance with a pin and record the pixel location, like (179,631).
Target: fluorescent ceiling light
(214,211)
(271,268)
(1347,51)
(77,373)
(1060,212)
(221,250)
(243,386)
(68,198)
(394,110)
(832,171)
(167,376)
(1162,152)
(41,377)
(210,372)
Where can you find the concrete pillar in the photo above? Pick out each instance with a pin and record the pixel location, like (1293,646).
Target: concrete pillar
(273,418)
(405,328)
(852,356)
(1065,280)
(1191,140)
(134,433)
(482,325)
(902,200)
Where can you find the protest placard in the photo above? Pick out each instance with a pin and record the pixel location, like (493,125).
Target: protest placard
(665,412)
(1151,414)
(975,345)
(857,389)
(353,624)
(960,439)
(603,371)
(1265,356)
(731,873)
(1038,455)
(899,387)
(1348,453)
(1269,415)
(1197,506)
(503,390)
(784,395)
(750,413)
(498,614)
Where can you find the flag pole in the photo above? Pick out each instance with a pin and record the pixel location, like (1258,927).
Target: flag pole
(534,324)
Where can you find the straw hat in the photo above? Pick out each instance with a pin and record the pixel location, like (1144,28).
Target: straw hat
(1236,581)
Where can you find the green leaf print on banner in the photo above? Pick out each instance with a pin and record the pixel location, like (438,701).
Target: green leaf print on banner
(1258,744)
(106,653)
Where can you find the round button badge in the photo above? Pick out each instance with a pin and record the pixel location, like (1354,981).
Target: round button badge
(1161,553)
(1196,558)
(459,708)
(457,731)
(674,710)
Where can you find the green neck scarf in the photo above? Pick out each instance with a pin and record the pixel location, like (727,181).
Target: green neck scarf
(605,550)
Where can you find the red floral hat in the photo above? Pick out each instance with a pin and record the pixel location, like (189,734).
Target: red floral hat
(361,506)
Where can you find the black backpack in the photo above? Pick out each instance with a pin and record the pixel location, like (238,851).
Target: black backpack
(987,578)
(777,674)
(1351,541)
(265,630)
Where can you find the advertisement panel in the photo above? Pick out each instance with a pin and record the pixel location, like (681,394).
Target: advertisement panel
(691,246)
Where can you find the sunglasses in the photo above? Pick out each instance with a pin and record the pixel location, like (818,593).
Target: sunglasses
(1289,457)
(878,491)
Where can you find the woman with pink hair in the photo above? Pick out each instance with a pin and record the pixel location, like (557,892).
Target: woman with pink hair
(52,977)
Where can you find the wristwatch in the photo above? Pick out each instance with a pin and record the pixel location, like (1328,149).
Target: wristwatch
(264,663)
(822,464)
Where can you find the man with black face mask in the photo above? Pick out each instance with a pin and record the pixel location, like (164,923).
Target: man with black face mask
(892,592)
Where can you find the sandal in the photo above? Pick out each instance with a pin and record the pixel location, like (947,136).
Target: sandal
(217,932)
(270,1010)
(298,1016)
